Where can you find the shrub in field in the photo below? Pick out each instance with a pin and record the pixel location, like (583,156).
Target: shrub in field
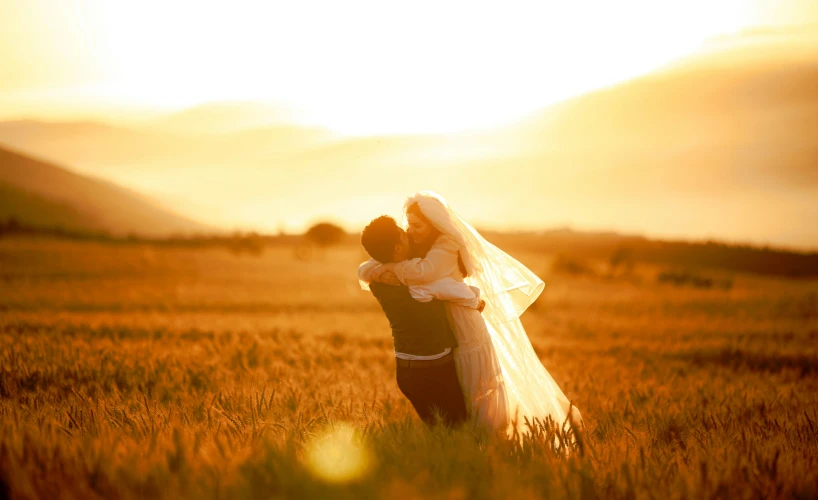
(692,279)
(564,264)
(325,234)
(621,262)
(251,243)
(322,235)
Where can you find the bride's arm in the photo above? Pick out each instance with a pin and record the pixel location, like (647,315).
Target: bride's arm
(447,289)
(440,262)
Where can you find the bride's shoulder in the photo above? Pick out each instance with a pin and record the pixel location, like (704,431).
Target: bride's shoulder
(447,243)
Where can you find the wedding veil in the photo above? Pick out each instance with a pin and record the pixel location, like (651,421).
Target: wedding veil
(508,287)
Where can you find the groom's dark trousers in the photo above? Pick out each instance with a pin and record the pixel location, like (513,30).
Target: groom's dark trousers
(422,329)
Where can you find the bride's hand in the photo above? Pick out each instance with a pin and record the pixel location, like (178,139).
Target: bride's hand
(482,305)
(389,278)
(384,274)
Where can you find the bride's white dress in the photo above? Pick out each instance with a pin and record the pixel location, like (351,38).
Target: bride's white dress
(478,368)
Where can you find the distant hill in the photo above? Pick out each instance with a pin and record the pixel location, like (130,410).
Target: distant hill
(720,145)
(33,192)
(220,118)
(608,246)
(25,207)
(741,114)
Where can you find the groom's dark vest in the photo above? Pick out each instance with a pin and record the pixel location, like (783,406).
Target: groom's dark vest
(419,328)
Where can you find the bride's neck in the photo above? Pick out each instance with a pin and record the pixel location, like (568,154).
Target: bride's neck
(419,250)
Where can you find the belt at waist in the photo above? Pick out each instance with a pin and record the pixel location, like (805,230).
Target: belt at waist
(424,363)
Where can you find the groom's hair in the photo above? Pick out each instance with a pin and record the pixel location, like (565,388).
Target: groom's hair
(380,237)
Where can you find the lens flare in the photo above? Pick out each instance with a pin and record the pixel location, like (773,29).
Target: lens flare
(338,454)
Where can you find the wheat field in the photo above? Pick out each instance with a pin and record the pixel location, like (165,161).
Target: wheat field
(137,370)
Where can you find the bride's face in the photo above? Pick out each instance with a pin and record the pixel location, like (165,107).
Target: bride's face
(419,229)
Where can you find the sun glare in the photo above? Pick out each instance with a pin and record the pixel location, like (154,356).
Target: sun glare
(338,455)
(375,67)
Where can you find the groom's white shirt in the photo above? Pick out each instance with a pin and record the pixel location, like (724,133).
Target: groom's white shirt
(446,289)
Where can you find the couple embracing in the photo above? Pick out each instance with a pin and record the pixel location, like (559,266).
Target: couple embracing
(453,301)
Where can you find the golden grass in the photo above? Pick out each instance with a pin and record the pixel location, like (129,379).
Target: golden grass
(134,371)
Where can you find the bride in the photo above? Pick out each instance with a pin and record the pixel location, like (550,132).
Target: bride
(503,381)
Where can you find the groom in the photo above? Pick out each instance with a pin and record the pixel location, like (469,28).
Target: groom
(423,339)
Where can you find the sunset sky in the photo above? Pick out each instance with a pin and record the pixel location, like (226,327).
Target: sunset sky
(357,67)
(375,100)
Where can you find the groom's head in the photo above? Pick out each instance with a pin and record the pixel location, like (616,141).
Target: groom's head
(385,241)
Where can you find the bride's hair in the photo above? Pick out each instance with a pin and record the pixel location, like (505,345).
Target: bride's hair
(380,237)
(420,250)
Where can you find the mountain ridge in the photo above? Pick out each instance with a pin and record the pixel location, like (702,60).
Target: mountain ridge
(97,204)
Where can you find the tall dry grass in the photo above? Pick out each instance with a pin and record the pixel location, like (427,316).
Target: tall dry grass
(134,371)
